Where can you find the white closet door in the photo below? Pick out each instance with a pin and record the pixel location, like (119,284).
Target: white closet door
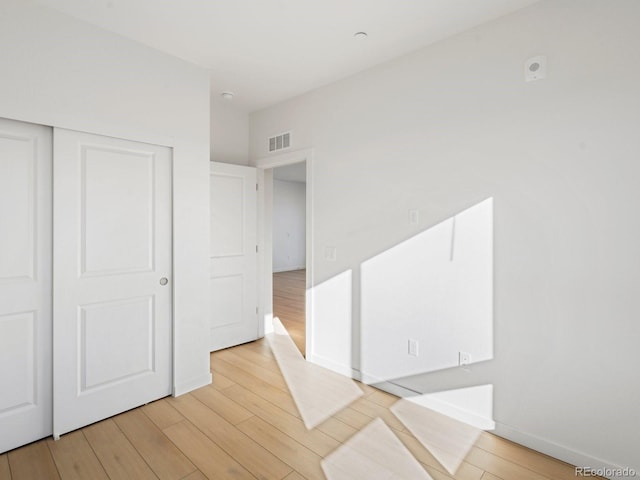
(112,277)
(233,258)
(25,283)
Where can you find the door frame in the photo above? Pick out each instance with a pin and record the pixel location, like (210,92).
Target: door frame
(265,166)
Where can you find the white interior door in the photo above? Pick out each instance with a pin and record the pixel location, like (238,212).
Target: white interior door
(233,259)
(112,277)
(25,283)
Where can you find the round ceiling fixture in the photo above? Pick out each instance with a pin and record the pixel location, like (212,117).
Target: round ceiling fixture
(228,96)
(360,35)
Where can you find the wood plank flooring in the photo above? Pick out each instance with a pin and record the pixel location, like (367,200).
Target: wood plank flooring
(246,429)
(246,426)
(289,304)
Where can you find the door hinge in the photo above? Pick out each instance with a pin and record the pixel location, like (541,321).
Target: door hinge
(256,187)
(256,310)
(256,248)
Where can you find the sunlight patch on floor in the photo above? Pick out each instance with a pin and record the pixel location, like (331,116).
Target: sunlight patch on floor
(447,439)
(374,453)
(318,393)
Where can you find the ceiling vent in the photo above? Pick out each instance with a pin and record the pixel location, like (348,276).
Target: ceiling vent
(280,142)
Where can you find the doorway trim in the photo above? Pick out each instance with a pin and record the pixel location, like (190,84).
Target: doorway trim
(265,166)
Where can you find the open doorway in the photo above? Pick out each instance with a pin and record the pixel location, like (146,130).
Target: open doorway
(266,167)
(289,255)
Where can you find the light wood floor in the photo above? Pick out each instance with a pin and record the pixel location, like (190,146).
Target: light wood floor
(246,426)
(288,304)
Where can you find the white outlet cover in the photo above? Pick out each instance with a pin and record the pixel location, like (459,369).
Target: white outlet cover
(464,358)
(330,254)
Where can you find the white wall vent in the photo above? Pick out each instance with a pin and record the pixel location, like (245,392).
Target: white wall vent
(280,142)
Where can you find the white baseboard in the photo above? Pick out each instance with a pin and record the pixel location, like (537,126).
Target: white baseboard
(561,452)
(434,404)
(288,269)
(541,445)
(268,324)
(391,388)
(454,411)
(192,384)
(330,364)
(364,377)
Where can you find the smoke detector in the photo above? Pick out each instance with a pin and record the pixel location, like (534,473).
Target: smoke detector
(535,68)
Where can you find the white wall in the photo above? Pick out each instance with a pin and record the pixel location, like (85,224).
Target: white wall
(435,290)
(61,72)
(229,131)
(455,123)
(289,224)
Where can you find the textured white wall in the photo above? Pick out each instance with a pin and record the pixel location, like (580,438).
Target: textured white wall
(452,124)
(61,72)
(289,223)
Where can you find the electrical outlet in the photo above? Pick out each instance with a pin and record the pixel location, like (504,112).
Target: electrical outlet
(414,217)
(464,358)
(413,347)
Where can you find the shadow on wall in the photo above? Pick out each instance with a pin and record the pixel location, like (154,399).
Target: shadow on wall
(426,306)
(427,303)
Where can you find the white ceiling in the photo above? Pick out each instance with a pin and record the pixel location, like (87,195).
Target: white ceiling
(266,51)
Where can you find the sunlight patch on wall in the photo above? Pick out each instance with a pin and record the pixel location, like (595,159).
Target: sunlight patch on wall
(332,300)
(427,303)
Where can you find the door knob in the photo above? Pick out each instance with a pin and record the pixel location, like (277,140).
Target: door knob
(164,281)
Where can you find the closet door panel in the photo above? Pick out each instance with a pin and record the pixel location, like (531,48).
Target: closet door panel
(112,277)
(25,283)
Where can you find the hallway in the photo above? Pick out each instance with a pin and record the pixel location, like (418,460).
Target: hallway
(289,304)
